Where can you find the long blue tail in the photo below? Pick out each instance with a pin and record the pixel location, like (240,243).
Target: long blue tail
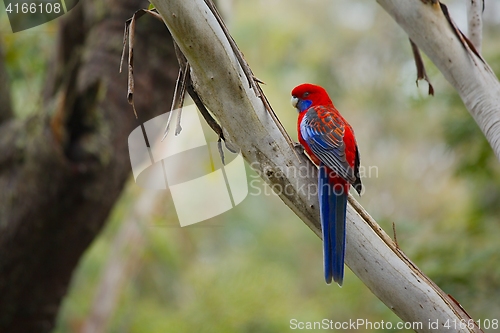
(332,212)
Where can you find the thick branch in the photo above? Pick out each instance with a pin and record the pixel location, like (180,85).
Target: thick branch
(475,82)
(222,85)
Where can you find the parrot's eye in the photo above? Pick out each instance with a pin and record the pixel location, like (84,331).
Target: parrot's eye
(306,94)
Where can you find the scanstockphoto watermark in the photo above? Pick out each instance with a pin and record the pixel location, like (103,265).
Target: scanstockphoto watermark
(201,185)
(258,186)
(448,325)
(353,324)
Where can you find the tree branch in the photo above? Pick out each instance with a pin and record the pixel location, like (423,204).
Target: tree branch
(427,25)
(222,85)
(475,10)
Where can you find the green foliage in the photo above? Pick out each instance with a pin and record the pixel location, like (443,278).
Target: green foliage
(26,56)
(466,262)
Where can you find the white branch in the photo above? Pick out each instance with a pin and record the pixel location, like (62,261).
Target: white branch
(370,253)
(475,82)
(475,22)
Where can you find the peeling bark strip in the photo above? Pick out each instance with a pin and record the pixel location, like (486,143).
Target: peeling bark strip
(182,84)
(222,85)
(430,27)
(421,73)
(463,39)
(179,92)
(129,35)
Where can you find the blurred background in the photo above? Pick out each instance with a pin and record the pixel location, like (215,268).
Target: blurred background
(256,267)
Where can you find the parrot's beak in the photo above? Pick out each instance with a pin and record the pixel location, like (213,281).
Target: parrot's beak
(294,101)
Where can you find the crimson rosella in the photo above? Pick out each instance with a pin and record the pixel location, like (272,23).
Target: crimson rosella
(330,143)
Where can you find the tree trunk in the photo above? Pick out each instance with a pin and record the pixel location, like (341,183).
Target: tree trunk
(63,168)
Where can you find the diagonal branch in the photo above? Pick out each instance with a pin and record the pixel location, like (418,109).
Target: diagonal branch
(252,80)
(221,83)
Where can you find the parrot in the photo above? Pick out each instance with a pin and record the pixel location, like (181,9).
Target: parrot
(329,141)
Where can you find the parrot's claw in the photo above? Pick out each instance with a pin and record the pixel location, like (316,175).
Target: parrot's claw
(299,148)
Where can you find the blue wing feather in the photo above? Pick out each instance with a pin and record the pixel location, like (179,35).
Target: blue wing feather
(324,136)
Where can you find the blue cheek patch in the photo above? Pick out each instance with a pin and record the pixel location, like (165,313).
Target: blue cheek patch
(304,104)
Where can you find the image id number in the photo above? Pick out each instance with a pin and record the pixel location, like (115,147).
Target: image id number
(34,8)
